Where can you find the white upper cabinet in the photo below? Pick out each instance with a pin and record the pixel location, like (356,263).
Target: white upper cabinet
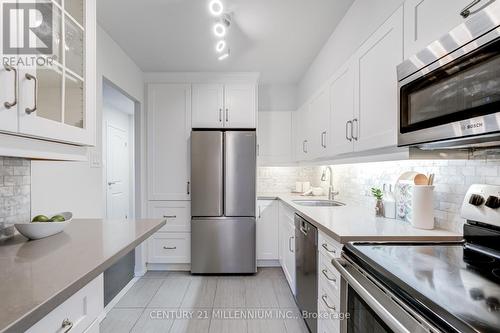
(301,132)
(224,106)
(8,99)
(240,106)
(274,137)
(208,105)
(169,128)
(376,93)
(57,102)
(341,111)
(428,20)
(319,114)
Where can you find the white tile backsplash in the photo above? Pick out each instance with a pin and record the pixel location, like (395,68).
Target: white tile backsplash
(354,181)
(15,192)
(282,179)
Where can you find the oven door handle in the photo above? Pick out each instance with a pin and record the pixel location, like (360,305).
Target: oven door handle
(372,302)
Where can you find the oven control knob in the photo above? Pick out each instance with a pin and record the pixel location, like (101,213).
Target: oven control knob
(476,200)
(492,202)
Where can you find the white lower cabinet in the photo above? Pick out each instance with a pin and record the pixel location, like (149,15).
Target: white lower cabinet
(172,243)
(287,243)
(170,248)
(77,314)
(177,214)
(267,230)
(329,285)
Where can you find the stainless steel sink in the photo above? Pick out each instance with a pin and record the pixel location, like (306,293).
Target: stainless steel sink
(318,203)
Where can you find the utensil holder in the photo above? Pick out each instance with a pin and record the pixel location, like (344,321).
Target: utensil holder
(421,213)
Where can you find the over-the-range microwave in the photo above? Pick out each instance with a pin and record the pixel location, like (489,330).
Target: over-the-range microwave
(449,93)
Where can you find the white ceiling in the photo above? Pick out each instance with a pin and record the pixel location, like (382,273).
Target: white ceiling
(278,38)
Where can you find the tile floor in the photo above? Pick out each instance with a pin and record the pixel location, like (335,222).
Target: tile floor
(176,302)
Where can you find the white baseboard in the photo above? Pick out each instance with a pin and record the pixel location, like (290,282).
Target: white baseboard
(116,299)
(141,272)
(268,263)
(168,267)
(187,267)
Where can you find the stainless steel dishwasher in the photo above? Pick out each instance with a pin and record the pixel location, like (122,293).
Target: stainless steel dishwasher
(306,261)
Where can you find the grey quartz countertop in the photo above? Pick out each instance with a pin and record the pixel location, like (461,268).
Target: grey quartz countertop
(36,276)
(354,222)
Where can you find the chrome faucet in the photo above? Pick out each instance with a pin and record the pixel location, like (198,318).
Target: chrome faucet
(331,193)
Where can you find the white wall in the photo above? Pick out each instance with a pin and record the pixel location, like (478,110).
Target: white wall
(361,20)
(76,186)
(278,97)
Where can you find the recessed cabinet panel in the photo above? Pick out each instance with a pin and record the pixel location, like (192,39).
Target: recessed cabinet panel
(8,112)
(375,121)
(240,106)
(274,137)
(428,20)
(208,105)
(267,230)
(342,111)
(169,128)
(176,213)
(319,110)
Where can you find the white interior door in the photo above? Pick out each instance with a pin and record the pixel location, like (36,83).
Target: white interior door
(118,175)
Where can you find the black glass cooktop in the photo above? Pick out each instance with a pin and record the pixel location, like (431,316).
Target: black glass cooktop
(453,285)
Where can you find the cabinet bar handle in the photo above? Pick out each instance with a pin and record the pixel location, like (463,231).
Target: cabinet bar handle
(466,11)
(328,305)
(66,325)
(305,145)
(169,216)
(324,271)
(188,187)
(170,247)
(325,246)
(290,243)
(220,115)
(323,139)
(355,121)
(227,115)
(260,213)
(347,136)
(9,68)
(35,91)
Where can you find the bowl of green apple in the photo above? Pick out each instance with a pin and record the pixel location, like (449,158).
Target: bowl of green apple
(42,226)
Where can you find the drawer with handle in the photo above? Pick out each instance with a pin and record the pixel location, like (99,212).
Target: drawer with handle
(170,248)
(76,314)
(328,275)
(327,321)
(177,214)
(329,246)
(329,300)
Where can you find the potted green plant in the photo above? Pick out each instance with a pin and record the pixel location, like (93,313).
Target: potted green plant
(379,205)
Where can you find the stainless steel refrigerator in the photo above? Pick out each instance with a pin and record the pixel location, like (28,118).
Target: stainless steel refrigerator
(223,198)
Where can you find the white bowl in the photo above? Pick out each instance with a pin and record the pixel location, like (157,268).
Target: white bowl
(37,230)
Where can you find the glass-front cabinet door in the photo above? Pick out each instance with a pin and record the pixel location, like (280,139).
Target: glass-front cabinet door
(57,96)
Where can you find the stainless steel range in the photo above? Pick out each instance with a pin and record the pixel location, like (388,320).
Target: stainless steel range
(429,287)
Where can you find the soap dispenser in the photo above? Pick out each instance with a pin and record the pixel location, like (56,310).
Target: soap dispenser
(389,202)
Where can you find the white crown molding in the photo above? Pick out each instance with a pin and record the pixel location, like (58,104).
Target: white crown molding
(201,77)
